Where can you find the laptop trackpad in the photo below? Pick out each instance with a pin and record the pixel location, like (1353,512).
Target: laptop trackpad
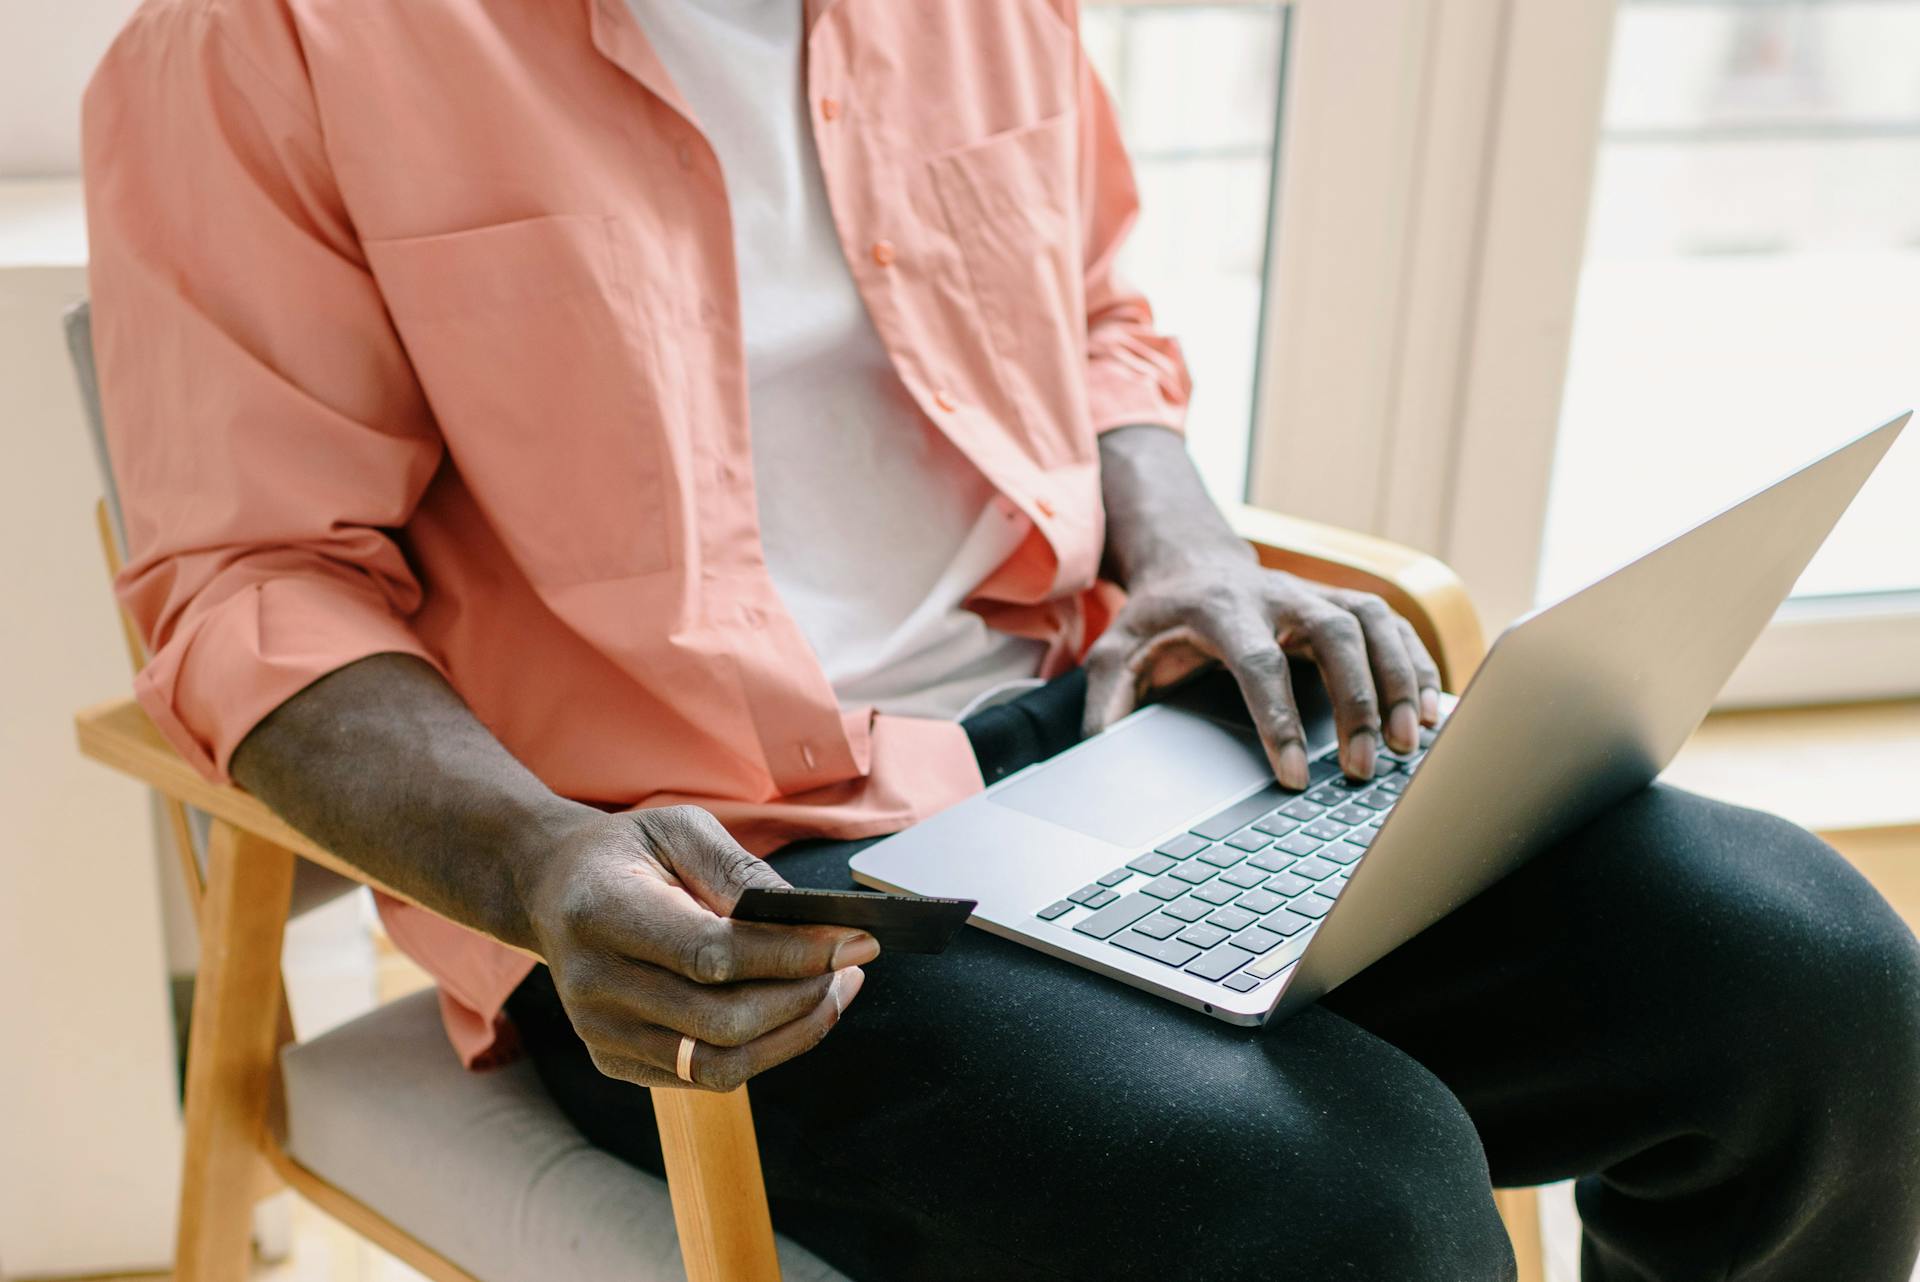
(1141,778)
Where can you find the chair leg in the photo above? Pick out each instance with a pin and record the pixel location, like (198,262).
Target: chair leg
(230,1055)
(719,1196)
(1520,1211)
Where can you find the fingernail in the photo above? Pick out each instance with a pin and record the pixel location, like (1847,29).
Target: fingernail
(854,950)
(1293,767)
(1360,755)
(1403,728)
(846,986)
(1430,706)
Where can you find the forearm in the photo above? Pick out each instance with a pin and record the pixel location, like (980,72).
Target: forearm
(1160,518)
(383,764)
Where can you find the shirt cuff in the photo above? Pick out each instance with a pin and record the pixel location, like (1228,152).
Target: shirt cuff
(227,668)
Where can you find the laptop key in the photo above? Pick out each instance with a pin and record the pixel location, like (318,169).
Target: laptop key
(1261,901)
(1116,916)
(1256,940)
(1192,908)
(1163,888)
(1102,899)
(1158,926)
(1217,892)
(1201,935)
(1193,873)
(1220,963)
(1325,830)
(1288,922)
(1238,815)
(1377,799)
(1299,843)
(1249,841)
(1314,869)
(1351,813)
(1280,958)
(1151,864)
(1241,982)
(1392,783)
(1275,824)
(1183,846)
(1314,905)
(1272,861)
(1231,919)
(1327,794)
(1117,876)
(1057,909)
(1087,892)
(1287,884)
(1342,853)
(1246,877)
(1330,888)
(1168,951)
(1221,856)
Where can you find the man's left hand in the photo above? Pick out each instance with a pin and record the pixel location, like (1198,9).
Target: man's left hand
(1225,607)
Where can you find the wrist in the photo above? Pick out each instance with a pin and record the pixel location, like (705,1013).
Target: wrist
(1193,554)
(538,844)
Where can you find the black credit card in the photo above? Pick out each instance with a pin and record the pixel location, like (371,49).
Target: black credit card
(902,923)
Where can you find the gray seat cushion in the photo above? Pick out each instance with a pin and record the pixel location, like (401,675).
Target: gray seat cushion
(480,1166)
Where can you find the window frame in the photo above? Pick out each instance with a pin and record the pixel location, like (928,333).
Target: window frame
(1437,163)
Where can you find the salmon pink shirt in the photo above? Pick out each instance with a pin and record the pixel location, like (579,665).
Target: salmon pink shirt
(418,332)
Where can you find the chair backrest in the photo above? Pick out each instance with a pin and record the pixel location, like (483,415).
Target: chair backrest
(313,885)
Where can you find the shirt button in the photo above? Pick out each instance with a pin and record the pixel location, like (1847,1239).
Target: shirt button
(684,154)
(883,253)
(829,109)
(944,399)
(1045,508)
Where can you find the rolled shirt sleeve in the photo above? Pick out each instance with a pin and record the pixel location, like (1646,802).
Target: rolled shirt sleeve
(266,429)
(1135,374)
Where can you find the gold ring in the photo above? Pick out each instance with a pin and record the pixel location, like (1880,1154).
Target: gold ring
(683,1062)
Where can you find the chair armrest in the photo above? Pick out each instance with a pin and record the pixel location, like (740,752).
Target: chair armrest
(1421,588)
(120,735)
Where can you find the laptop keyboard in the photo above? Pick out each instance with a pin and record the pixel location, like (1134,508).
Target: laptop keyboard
(1235,898)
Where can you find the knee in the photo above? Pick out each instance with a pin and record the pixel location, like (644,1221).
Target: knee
(1812,957)
(1401,1183)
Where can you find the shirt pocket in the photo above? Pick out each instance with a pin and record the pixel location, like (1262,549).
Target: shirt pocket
(546,386)
(1010,202)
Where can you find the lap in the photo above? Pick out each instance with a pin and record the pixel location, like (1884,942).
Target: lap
(994,1111)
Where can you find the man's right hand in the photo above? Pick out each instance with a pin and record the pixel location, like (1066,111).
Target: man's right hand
(629,912)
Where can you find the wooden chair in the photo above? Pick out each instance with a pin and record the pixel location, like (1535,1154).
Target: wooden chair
(236,1148)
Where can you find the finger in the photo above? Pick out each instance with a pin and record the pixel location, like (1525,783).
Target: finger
(722,1068)
(635,1050)
(1243,640)
(1339,647)
(631,996)
(1111,689)
(645,919)
(1426,670)
(1394,678)
(688,934)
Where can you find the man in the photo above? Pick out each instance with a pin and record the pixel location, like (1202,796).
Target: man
(573,447)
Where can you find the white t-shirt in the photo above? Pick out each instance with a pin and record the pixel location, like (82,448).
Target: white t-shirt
(874,526)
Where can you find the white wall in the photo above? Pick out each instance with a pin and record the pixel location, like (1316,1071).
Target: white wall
(89,1129)
(47,50)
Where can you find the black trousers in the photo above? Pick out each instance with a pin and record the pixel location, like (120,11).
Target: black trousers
(1699,1011)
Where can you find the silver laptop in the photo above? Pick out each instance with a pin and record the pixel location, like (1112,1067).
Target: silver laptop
(1161,852)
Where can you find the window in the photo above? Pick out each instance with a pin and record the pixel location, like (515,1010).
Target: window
(1553,283)
(1747,296)
(1197,89)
